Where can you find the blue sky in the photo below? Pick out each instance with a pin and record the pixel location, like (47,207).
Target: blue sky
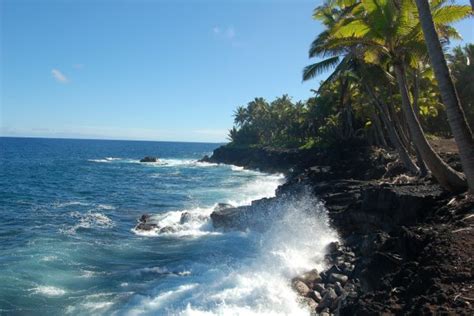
(151,70)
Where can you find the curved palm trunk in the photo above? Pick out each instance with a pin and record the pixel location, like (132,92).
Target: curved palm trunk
(416,108)
(457,121)
(379,131)
(392,133)
(449,178)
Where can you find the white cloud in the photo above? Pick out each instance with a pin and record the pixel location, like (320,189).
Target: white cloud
(226,33)
(230,33)
(59,76)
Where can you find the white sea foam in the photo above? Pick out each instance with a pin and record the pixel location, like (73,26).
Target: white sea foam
(192,223)
(196,222)
(161,271)
(50,291)
(49,258)
(70,203)
(162,162)
(114,159)
(294,242)
(97,306)
(237,168)
(84,204)
(165,162)
(88,220)
(94,304)
(105,207)
(99,160)
(261,187)
(149,305)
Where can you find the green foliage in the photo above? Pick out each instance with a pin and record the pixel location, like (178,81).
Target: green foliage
(462,70)
(361,42)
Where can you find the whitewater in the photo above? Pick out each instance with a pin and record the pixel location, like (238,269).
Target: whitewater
(70,246)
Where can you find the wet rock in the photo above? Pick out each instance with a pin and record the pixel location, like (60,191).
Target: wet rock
(346,268)
(337,277)
(301,288)
(330,286)
(144,218)
(316,295)
(146,226)
(310,278)
(339,289)
(328,299)
(333,247)
(319,287)
(333,269)
(167,229)
(185,217)
(206,158)
(222,206)
(309,302)
(149,159)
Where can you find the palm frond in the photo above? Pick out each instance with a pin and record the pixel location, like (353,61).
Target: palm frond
(355,28)
(450,14)
(318,68)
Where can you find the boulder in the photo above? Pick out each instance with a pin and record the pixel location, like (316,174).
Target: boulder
(144,218)
(186,217)
(319,287)
(146,226)
(339,289)
(167,229)
(328,299)
(337,277)
(310,278)
(316,296)
(222,206)
(309,302)
(149,159)
(301,288)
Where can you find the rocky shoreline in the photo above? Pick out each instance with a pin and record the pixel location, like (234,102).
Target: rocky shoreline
(406,245)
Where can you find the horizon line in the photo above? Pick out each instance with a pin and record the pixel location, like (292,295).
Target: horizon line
(114,139)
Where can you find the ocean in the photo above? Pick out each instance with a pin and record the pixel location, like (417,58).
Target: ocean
(68,245)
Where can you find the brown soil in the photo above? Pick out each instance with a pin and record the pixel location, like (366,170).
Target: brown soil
(444,145)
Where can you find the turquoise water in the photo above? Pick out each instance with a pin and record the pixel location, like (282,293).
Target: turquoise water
(68,246)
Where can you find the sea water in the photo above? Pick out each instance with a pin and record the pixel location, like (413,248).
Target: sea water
(68,209)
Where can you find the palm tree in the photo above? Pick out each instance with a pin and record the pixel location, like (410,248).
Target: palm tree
(346,60)
(456,118)
(461,64)
(387,33)
(240,116)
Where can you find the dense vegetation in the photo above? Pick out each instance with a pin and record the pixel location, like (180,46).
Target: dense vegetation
(389,86)
(331,116)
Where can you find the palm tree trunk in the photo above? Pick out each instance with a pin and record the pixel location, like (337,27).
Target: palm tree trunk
(399,126)
(416,108)
(379,130)
(392,133)
(449,178)
(456,119)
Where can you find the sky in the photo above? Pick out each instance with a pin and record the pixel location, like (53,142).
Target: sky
(149,70)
